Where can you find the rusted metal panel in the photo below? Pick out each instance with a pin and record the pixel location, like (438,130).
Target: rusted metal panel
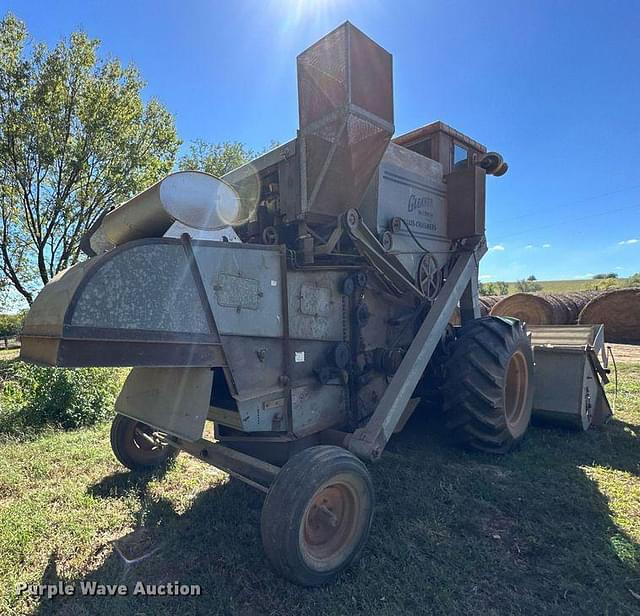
(256,362)
(419,134)
(46,317)
(257,366)
(317,407)
(314,304)
(466,202)
(40,350)
(81,353)
(346,118)
(78,349)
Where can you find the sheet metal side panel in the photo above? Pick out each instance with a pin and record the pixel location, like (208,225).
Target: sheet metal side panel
(46,316)
(148,287)
(315,304)
(258,307)
(409,186)
(559,381)
(173,400)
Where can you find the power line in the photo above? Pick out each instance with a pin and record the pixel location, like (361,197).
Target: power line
(572,219)
(573,203)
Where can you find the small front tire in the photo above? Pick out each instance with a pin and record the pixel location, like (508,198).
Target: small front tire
(135,446)
(317,514)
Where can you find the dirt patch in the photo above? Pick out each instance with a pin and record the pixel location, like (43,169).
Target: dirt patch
(136,546)
(494,471)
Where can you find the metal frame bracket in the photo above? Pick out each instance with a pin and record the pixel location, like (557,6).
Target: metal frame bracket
(369,442)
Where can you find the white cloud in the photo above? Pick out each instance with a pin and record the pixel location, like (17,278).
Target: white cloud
(497,247)
(546,245)
(486,276)
(529,246)
(619,268)
(589,275)
(631,241)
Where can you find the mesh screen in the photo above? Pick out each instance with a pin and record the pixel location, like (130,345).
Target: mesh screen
(322,76)
(343,69)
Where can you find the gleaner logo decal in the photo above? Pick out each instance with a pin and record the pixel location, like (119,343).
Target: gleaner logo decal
(421,208)
(416,203)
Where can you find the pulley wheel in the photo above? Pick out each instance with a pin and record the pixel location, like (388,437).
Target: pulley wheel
(429,277)
(387,241)
(351,218)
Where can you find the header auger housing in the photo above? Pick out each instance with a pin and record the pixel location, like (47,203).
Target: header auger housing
(302,304)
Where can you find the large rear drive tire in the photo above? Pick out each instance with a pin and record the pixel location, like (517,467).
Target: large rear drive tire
(317,515)
(133,445)
(488,389)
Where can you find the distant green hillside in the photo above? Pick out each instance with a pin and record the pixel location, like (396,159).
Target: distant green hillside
(566,286)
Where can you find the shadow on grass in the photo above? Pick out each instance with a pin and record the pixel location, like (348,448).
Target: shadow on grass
(454,532)
(126,482)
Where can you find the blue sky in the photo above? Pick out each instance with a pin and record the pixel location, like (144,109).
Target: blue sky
(554,86)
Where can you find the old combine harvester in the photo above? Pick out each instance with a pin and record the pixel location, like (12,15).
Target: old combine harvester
(302,304)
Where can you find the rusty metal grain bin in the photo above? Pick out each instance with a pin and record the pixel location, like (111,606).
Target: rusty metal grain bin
(345,100)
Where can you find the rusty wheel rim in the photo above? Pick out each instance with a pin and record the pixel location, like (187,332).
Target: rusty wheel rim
(331,525)
(142,444)
(515,390)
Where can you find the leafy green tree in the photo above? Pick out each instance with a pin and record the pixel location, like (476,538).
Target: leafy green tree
(634,281)
(604,276)
(215,158)
(75,138)
(494,288)
(219,158)
(528,286)
(487,288)
(10,326)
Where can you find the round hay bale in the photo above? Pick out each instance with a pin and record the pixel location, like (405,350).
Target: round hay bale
(543,308)
(619,311)
(573,303)
(487,302)
(535,309)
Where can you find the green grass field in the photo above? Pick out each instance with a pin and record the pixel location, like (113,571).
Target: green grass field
(553,528)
